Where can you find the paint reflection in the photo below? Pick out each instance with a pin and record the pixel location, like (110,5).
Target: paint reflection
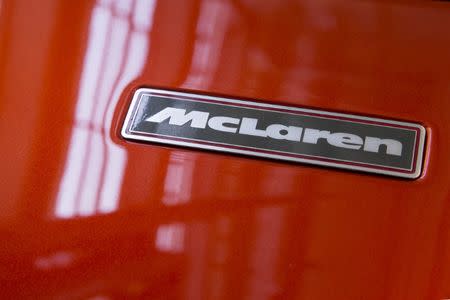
(58,260)
(211,28)
(170,238)
(179,178)
(116,51)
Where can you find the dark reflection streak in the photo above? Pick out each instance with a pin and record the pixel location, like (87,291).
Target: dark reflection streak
(85,164)
(123,63)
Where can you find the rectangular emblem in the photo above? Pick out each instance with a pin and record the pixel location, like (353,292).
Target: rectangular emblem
(279,132)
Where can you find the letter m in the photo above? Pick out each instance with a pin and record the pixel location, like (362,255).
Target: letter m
(178,116)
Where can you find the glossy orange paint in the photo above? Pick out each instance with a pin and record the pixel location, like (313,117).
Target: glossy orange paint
(85,214)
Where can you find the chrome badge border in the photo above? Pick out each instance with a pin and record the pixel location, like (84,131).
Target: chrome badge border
(414,173)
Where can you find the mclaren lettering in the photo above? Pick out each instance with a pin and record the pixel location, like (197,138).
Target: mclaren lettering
(249,126)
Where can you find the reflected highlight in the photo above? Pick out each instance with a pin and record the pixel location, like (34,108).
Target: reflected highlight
(95,165)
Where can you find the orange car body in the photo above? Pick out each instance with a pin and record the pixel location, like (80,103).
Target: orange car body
(86,214)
